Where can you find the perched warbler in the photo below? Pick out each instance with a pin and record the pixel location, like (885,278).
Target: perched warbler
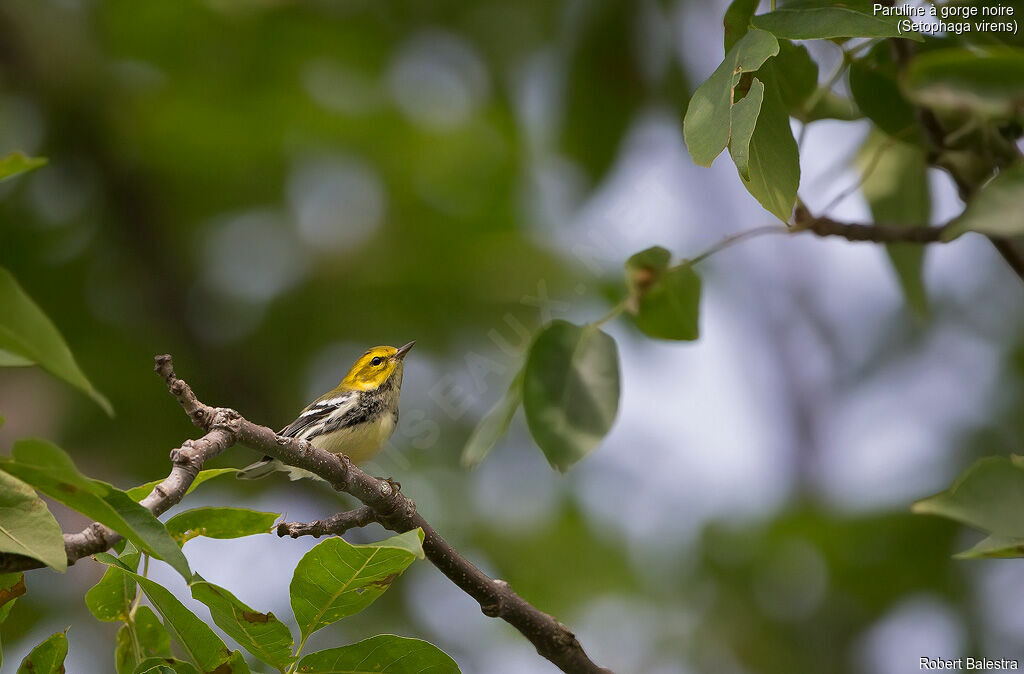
(356,418)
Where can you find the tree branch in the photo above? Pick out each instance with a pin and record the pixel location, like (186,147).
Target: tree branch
(334,525)
(880,233)
(383,503)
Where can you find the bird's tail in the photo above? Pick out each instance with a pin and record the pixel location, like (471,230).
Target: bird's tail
(261,468)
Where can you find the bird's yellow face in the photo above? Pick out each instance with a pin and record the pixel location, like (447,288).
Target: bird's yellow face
(376,367)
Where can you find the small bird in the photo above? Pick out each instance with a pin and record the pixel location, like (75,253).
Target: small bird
(355,419)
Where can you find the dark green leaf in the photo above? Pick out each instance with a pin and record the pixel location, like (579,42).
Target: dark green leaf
(828,105)
(50,470)
(744,119)
(201,643)
(261,634)
(708,121)
(165,666)
(25,331)
(874,85)
(774,163)
(111,598)
(8,359)
(737,20)
(895,185)
(12,586)
(26,525)
(670,307)
(337,579)
(797,75)
(570,390)
(219,523)
(989,496)
(145,638)
(493,425)
(996,209)
(825,23)
(382,653)
(17,163)
(47,657)
(143,490)
(989,82)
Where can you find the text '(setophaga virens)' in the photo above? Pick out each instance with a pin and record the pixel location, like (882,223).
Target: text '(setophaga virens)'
(356,418)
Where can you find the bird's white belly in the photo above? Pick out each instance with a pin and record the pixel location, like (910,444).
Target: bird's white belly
(361,442)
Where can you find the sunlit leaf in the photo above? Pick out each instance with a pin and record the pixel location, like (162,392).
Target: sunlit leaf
(17,163)
(708,122)
(47,657)
(337,579)
(261,634)
(570,390)
(382,653)
(201,643)
(50,470)
(816,23)
(26,525)
(143,490)
(219,522)
(26,332)
(996,209)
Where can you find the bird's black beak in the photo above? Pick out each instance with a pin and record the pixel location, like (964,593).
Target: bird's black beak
(400,354)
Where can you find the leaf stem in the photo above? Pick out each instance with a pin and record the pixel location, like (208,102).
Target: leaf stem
(615,311)
(733,239)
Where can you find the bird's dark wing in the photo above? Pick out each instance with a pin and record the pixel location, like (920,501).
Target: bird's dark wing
(312,419)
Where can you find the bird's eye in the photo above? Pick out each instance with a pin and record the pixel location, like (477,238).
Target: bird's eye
(376,361)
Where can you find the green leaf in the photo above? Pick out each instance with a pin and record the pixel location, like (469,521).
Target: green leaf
(874,85)
(12,586)
(570,390)
(26,331)
(337,579)
(895,185)
(8,359)
(670,307)
(996,209)
(261,634)
(17,163)
(737,21)
(47,657)
(50,470)
(828,105)
(26,525)
(149,640)
(988,496)
(219,523)
(143,490)
(994,547)
(493,425)
(708,121)
(382,653)
(165,666)
(201,643)
(110,600)
(774,163)
(797,76)
(826,23)
(744,118)
(989,82)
